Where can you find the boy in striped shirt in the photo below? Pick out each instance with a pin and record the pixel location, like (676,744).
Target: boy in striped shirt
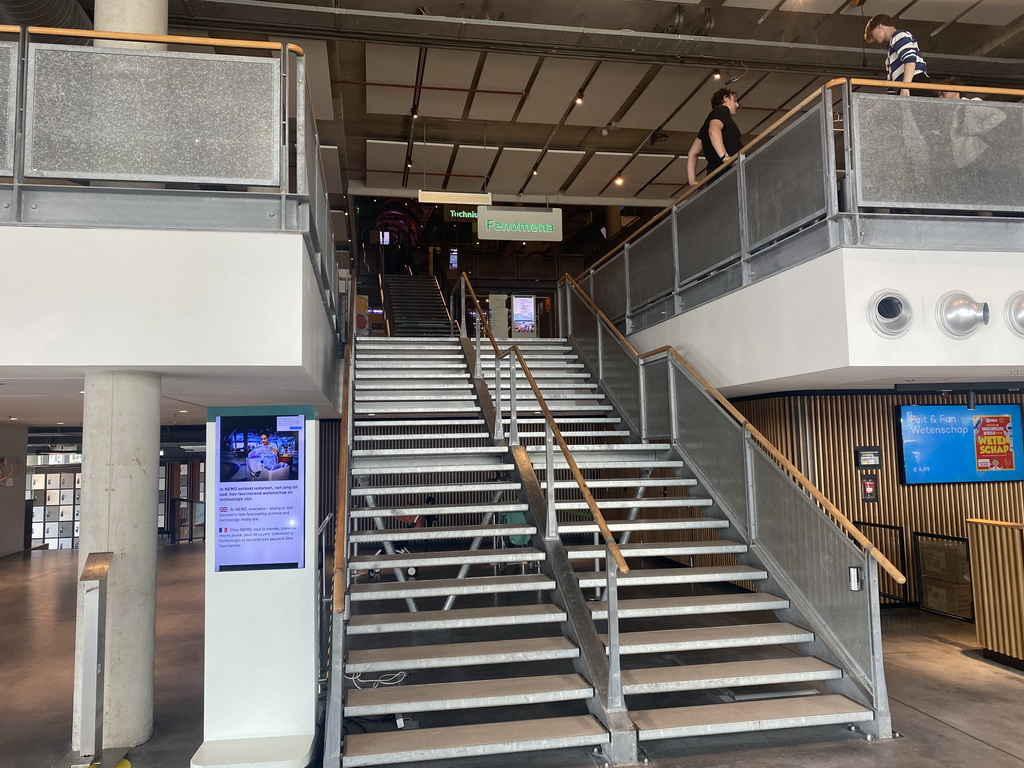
(904,63)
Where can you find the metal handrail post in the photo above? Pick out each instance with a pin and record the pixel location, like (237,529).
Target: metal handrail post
(513,426)
(462,307)
(549,477)
(641,376)
(478,366)
(499,427)
(616,702)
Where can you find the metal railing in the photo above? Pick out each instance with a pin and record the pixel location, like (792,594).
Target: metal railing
(335,664)
(207,136)
(843,167)
(615,562)
(823,563)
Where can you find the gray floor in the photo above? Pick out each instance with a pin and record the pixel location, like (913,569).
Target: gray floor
(952,707)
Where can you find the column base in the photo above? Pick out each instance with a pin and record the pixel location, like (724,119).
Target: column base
(268,752)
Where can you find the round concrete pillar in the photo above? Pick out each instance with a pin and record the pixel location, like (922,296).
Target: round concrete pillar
(120,471)
(145,17)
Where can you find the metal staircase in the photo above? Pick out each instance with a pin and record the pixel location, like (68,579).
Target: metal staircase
(419,435)
(724,624)
(415,306)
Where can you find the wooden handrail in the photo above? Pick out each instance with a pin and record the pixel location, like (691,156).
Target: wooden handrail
(574,468)
(136,37)
(549,417)
(829,508)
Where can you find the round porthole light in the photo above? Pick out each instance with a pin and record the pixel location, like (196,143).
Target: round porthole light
(1015,313)
(959,315)
(889,314)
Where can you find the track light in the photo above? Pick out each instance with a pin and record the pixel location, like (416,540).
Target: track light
(579,96)
(619,180)
(415,113)
(716,75)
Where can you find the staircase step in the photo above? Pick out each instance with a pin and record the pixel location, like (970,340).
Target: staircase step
(470,694)
(704,575)
(679,501)
(419,453)
(434,488)
(457,618)
(424,437)
(691,606)
(406,364)
(400,375)
(628,482)
(610,462)
(569,434)
(746,716)
(453,406)
(437,509)
(473,740)
(381,466)
(705,638)
(734,674)
(371,396)
(419,423)
(450,385)
(554,407)
(516,651)
(658,549)
(685,524)
(541,422)
(425,559)
(406,353)
(477,585)
(438,532)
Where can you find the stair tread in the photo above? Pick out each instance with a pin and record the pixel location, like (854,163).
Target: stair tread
(628,482)
(435,488)
(722,674)
(472,585)
(444,532)
(640,524)
(458,557)
(675,575)
(632,550)
(466,689)
(504,651)
(731,634)
(498,450)
(435,509)
(749,715)
(456,615)
(675,501)
(580,730)
(674,606)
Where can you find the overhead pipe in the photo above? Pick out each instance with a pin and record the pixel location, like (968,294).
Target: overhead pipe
(67,14)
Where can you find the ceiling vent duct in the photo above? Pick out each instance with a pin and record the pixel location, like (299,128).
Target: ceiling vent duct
(889,314)
(959,315)
(1015,313)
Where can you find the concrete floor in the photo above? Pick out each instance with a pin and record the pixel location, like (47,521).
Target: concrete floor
(952,707)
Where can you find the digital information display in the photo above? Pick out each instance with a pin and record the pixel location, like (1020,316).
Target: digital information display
(951,444)
(524,314)
(259,499)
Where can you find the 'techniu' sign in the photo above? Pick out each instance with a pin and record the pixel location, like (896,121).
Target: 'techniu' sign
(503,223)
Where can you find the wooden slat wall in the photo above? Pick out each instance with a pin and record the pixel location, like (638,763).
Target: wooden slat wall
(819,432)
(997,577)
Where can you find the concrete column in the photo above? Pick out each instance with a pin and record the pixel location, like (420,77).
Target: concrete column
(13,455)
(612,221)
(147,17)
(120,470)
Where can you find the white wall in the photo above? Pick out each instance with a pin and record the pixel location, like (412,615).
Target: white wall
(13,447)
(807,327)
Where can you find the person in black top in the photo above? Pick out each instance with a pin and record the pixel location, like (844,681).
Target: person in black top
(719,137)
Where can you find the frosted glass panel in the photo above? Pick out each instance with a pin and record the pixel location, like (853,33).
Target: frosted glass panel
(8,107)
(102,113)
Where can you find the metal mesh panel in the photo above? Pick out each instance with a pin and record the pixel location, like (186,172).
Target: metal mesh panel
(815,554)
(584,329)
(656,398)
(8,105)
(712,287)
(708,227)
(714,441)
(103,113)
(785,180)
(939,153)
(651,259)
(620,377)
(653,314)
(609,287)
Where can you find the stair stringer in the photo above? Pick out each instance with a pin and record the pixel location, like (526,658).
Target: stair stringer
(579,626)
(855,682)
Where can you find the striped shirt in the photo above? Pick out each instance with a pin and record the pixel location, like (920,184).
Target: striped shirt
(903,49)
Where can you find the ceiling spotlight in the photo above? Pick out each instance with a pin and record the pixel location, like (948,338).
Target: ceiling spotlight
(415,113)
(408,163)
(716,75)
(534,172)
(658,136)
(579,96)
(619,180)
